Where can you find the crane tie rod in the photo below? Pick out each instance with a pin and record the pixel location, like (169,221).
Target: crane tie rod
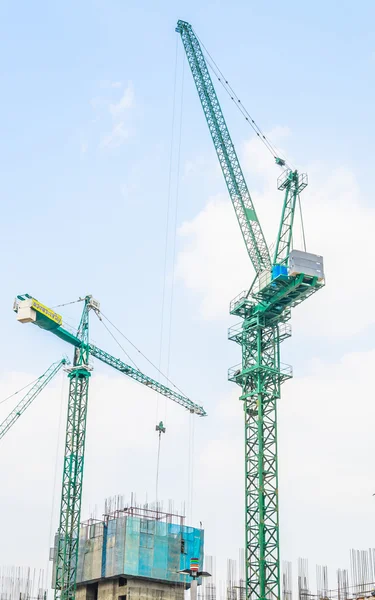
(137,349)
(117,342)
(21,390)
(67,303)
(236,100)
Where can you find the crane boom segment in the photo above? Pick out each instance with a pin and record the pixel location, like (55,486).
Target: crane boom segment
(33,392)
(117,364)
(244,208)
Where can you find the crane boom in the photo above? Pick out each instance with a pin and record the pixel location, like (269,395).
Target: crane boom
(27,303)
(244,208)
(117,364)
(33,392)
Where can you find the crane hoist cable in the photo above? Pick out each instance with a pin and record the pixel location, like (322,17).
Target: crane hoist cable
(236,100)
(160,429)
(68,303)
(190,470)
(101,316)
(169,196)
(174,229)
(166,237)
(260,134)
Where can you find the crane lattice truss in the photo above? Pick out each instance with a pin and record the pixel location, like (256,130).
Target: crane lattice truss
(28,309)
(30,396)
(265,311)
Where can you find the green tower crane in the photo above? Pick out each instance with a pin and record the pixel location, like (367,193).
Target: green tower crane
(280,284)
(30,396)
(30,310)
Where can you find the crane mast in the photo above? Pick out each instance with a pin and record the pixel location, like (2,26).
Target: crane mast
(75,438)
(265,311)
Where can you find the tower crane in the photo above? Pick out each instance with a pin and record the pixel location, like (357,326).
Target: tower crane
(30,310)
(30,396)
(281,283)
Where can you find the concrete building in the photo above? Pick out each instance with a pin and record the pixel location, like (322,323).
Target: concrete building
(136,553)
(130,588)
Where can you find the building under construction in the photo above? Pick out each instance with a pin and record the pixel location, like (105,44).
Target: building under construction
(354,583)
(135,553)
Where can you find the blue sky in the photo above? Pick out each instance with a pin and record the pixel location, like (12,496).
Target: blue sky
(87,101)
(308,68)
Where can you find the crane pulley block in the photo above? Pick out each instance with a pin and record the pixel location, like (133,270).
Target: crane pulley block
(289,178)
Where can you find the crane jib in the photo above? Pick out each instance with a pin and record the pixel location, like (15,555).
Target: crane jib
(245,211)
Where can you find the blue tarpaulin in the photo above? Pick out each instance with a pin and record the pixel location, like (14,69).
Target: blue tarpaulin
(134,546)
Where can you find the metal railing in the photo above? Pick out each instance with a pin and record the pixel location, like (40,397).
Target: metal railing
(235,330)
(234,372)
(241,296)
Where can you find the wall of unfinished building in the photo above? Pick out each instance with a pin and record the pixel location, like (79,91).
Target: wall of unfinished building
(132,589)
(134,546)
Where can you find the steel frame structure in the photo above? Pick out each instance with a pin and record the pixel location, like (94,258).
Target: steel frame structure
(265,312)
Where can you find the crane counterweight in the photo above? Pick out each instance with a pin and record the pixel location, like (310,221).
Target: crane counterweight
(30,310)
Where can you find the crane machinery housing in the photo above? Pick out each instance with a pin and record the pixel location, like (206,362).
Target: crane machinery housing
(281,282)
(30,310)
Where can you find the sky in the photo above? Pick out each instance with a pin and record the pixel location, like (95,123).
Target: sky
(110,186)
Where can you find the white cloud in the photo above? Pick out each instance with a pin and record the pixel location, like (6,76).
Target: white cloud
(324,432)
(325,418)
(84,147)
(120,125)
(116,137)
(325,429)
(120,456)
(213,262)
(126,101)
(214,265)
